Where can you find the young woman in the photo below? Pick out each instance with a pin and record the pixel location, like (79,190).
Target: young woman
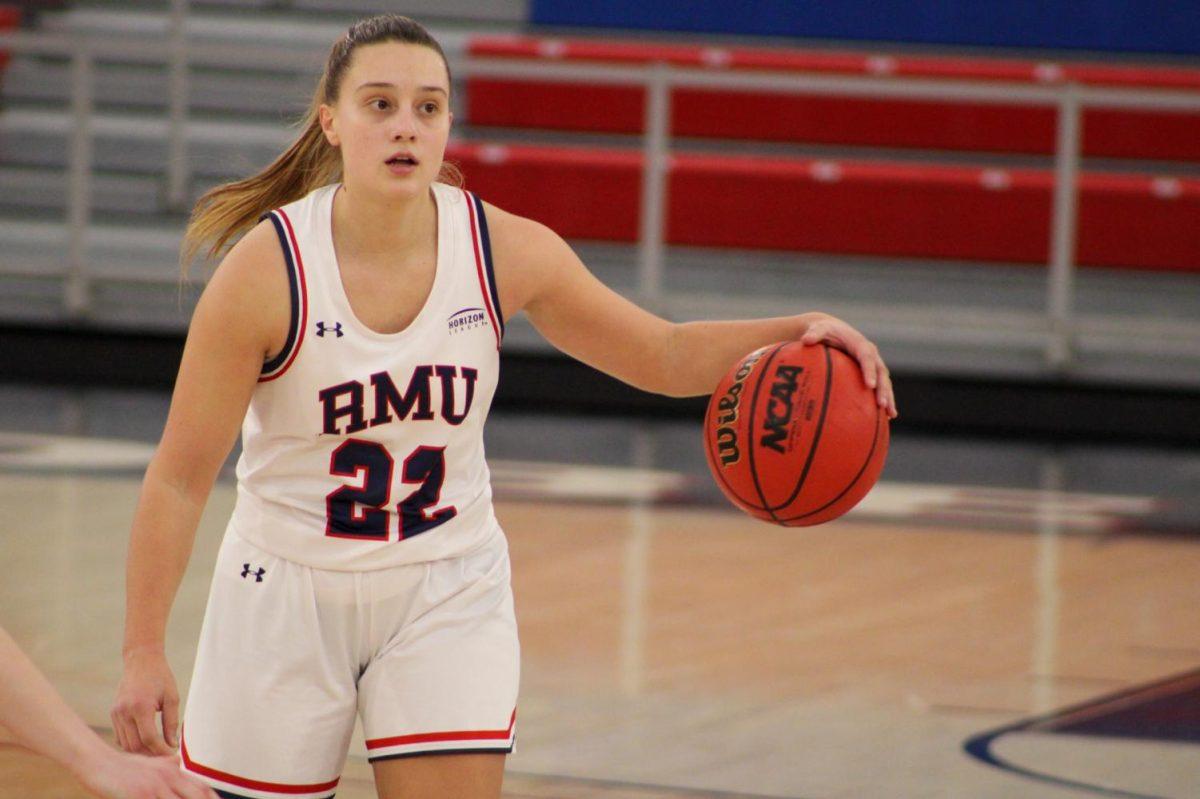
(43,722)
(354,334)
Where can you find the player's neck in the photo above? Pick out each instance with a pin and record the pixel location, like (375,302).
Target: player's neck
(366,227)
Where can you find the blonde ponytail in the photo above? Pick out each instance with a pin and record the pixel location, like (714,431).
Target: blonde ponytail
(231,209)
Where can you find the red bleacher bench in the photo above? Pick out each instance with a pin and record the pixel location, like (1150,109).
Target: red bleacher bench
(814,119)
(10,19)
(843,207)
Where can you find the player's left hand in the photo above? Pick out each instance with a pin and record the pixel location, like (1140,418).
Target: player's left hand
(823,328)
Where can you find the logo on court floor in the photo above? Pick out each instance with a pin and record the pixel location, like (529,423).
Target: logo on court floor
(323,328)
(258,575)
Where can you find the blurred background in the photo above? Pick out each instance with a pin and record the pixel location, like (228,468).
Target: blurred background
(1005,197)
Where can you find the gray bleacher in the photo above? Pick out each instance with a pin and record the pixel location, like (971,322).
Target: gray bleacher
(239,120)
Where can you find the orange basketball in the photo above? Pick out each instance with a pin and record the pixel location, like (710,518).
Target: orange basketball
(794,436)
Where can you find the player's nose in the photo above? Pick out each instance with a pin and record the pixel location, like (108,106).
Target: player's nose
(404,125)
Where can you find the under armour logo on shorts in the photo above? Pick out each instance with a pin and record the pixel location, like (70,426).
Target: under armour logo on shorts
(323,328)
(258,575)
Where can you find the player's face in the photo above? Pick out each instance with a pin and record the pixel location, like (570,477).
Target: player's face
(392,118)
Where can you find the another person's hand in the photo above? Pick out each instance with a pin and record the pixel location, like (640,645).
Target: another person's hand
(823,328)
(147,688)
(116,775)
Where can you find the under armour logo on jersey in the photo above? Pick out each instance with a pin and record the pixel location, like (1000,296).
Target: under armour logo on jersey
(466,319)
(258,575)
(323,328)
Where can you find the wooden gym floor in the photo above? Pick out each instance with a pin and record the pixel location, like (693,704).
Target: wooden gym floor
(956,637)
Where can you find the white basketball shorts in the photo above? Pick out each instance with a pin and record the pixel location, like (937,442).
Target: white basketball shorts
(427,654)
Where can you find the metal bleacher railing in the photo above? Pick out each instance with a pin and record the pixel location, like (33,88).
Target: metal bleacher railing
(1057,326)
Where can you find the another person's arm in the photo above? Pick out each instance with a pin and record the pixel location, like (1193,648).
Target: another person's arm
(241,318)
(44,723)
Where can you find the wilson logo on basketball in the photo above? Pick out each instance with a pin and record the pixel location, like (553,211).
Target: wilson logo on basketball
(727,410)
(779,408)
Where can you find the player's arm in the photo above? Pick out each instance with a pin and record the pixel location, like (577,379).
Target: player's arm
(41,721)
(537,272)
(704,351)
(241,318)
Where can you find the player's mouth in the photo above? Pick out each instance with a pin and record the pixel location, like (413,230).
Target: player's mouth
(402,163)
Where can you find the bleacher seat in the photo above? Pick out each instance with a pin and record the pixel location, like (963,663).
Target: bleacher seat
(10,18)
(833,120)
(878,208)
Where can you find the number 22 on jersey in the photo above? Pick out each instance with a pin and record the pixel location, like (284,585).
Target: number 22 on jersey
(363,511)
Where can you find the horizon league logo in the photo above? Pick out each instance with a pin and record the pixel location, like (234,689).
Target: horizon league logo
(467,319)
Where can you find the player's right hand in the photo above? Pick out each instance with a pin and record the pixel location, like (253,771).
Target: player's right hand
(116,775)
(147,688)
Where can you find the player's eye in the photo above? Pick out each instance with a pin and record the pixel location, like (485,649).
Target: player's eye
(380,104)
(429,108)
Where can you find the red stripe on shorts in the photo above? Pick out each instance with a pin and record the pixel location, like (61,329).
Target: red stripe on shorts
(242,782)
(436,737)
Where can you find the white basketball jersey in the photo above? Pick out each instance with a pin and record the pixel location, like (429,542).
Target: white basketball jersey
(363,450)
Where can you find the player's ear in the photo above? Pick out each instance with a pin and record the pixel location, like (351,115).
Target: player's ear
(325,116)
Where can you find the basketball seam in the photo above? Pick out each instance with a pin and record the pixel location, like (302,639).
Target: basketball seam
(857,477)
(750,429)
(812,451)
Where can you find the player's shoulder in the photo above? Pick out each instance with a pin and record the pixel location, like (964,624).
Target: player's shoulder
(255,264)
(250,286)
(519,240)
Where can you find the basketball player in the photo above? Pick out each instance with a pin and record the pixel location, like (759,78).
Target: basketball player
(354,333)
(43,722)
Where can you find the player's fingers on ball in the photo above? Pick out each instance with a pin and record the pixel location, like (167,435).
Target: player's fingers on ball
(865,351)
(869,363)
(890,396)
(884,382)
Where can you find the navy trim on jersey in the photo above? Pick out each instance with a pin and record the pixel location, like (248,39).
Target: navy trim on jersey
(428,752)
(273,368)
(486,241)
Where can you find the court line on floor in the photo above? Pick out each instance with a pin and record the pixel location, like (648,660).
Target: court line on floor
(980,746)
